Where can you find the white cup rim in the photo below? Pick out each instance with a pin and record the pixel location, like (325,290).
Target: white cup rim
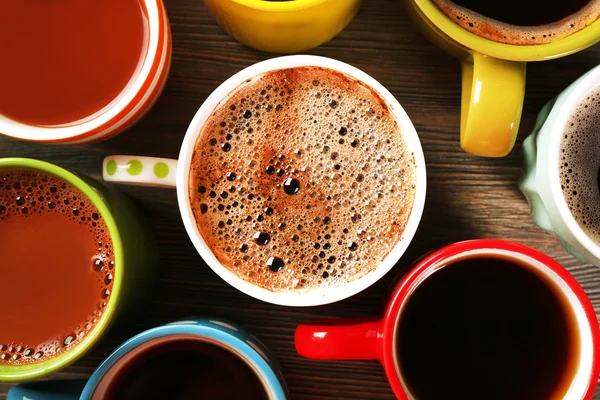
(318,296)
(560,117)
(19,130)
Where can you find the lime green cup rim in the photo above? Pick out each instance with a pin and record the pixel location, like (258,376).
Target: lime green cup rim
(37,370)
(579,40)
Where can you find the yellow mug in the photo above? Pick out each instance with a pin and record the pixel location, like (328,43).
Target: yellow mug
(493,76)
(283,26)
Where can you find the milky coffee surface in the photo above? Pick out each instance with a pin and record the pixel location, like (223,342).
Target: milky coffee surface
(26,197)
(301,178)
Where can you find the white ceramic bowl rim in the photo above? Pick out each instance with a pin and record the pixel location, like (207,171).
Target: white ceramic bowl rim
(22,131)
(588,83)
(327,294)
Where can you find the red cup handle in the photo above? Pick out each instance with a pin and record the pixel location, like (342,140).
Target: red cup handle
(344,339)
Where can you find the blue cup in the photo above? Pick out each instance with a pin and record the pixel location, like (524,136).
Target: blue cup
(224,333)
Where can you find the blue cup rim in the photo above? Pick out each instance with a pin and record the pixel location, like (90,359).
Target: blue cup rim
(214,329)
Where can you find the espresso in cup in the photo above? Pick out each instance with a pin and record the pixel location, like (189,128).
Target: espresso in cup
(301,178)
(56,266)
(521,22)
(181,368)
(64,61)
(579,164)
(487,328)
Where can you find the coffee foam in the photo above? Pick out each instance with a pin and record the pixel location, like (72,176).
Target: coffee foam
(301,178)
(25,194)
(502,32)
(580,162)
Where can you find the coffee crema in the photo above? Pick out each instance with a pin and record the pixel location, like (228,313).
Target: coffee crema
(579,164)
(521,22)
(56,265)
(301,178)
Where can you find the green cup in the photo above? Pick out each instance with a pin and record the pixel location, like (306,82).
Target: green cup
(135,261)
(540,182)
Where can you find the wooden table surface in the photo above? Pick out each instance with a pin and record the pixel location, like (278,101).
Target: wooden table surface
(468,197)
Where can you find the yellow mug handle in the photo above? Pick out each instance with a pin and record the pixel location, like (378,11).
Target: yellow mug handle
(492,101)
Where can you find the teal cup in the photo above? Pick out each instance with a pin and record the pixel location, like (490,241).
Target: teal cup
(541,181)
(214,331)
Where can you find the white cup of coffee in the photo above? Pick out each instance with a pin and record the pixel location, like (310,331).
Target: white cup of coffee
(380,165)
(562,160)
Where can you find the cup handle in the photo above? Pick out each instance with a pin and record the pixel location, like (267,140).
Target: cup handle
(69,389)
(492,101)
(345,339)
(140,171)
(528,182)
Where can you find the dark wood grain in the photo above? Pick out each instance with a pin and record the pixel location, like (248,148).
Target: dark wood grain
(468,197)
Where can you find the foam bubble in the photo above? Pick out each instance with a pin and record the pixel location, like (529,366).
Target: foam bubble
(297,195)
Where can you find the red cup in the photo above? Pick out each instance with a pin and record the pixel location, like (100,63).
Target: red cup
(375,338)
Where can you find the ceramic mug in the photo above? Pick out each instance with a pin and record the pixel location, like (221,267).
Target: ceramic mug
(175,173)
(214,331)
(135,261)
(540,182)
(283,27)
(376,339)
(130,105)
(493,76)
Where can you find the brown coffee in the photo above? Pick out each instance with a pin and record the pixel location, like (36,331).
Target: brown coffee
(579,164)
(487,328)
(521,22)
(301,178)
(56,265)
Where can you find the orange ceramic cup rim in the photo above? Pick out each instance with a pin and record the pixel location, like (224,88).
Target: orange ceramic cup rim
(125,106)
(579,40)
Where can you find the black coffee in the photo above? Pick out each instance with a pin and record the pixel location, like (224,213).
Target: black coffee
(487,329)
(182,370)
(522,22)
